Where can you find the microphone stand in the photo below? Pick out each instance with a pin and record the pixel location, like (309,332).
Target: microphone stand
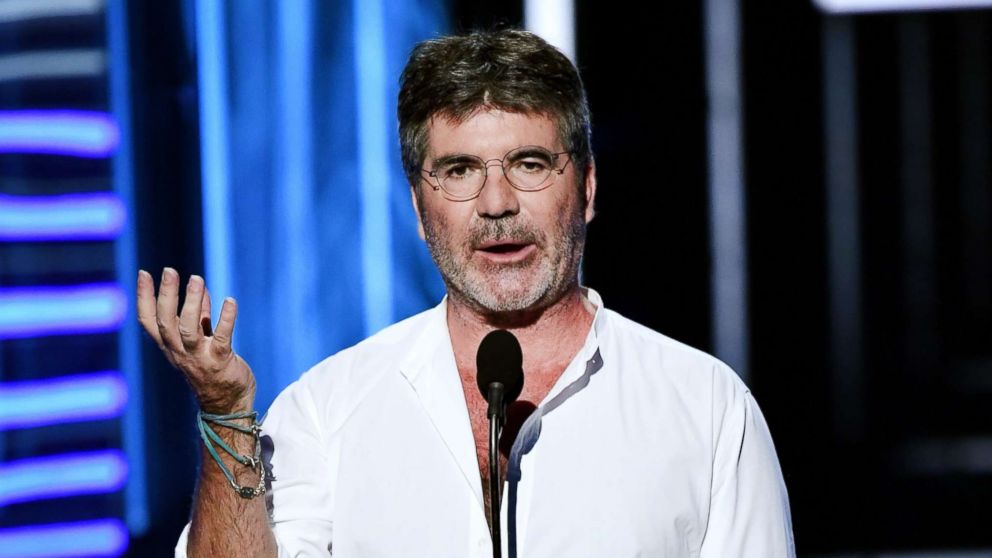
(497,415)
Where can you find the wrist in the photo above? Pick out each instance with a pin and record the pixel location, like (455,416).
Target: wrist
(237,435)
(226,405)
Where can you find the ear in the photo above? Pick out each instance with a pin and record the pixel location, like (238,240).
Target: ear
(416,210)
(590,190)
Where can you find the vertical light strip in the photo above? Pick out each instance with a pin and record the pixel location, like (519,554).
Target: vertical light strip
(295,182)
(553,21)
(370,79)
(125,252)
(727,198)
(840,125)
(214,150)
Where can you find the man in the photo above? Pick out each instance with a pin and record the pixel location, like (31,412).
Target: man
(636,444)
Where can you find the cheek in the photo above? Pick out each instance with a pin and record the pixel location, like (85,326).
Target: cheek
(439,228)
(559,211)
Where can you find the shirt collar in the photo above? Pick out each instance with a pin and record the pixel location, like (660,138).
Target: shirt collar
(592,346)
(435,335)
(598,329)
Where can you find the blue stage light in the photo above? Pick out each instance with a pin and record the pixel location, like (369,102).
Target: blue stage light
(125,253)
(212,73)
(60,476)
(53,64)
(80,397)
(102,538)
(373,149)
(96,216)
(58,132)
(865,6)
(38,311)
(16,11)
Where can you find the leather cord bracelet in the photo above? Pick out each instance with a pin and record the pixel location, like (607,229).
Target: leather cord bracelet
(254,462)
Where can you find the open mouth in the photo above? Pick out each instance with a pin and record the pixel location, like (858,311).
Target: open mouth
(506,251)
(504,248)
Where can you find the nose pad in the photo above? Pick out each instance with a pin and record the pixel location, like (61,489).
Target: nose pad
(499,199)
(498,164)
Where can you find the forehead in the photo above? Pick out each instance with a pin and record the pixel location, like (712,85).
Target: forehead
(490,133)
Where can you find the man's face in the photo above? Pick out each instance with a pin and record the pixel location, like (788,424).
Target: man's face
(505,250)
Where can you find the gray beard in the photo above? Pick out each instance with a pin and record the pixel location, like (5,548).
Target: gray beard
(497,289)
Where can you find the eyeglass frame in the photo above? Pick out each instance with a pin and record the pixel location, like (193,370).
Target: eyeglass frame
(555,172)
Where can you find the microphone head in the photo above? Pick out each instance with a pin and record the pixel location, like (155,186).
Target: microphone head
(500,360)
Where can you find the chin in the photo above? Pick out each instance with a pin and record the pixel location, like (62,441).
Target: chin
(510,292)
(501,302)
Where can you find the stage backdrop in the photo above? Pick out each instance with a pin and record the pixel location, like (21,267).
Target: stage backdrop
(307,215)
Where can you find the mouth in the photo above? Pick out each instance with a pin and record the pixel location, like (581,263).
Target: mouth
(506,251)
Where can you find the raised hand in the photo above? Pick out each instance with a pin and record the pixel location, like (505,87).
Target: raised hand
(221,380)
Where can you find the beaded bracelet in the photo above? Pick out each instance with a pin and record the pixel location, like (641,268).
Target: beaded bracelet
(254,462)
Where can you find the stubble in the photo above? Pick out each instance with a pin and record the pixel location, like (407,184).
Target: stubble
(500,288)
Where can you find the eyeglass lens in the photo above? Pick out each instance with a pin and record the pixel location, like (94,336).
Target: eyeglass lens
(526,168)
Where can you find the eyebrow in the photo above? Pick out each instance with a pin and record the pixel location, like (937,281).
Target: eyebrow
(532,150)
(465,157)
(454,158)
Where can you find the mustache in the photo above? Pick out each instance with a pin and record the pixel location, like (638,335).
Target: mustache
(498,230)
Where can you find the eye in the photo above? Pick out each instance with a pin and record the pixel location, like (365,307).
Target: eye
(457,171)
(459,167)
(532,165)
(530,160)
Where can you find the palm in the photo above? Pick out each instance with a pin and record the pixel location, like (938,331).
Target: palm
(221,380)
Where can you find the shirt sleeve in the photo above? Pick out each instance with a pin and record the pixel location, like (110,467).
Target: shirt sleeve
(749,505)
(299,500)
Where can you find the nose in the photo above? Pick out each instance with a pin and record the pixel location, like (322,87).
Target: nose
(498,197)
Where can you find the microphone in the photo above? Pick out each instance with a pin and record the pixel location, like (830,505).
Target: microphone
(499,364)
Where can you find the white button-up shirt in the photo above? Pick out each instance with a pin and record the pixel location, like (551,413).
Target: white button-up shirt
(644,447)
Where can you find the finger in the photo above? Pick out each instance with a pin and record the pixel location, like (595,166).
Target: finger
(146,306)
(189,319)
(168,300)
(208,329)
(225,325)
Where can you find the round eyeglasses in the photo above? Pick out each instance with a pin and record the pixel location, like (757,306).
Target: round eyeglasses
(529,168)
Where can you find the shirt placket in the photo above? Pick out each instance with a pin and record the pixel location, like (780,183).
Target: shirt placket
(515,517)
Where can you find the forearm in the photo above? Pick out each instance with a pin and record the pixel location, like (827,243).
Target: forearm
(224,524)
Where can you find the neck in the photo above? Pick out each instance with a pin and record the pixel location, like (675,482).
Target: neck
(549,336)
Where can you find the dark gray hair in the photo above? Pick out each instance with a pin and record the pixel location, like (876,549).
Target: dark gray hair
(510,70)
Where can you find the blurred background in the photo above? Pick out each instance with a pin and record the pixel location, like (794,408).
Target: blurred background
(802,188)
